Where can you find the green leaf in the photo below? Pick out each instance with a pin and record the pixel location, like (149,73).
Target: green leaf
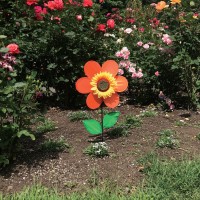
(92,126)
(26,133)
(3,36)
(4,50)
(91,19)
(110,119)
(70,34)
(19,84)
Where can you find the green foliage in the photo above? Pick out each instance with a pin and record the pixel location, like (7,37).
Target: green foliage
(54,145)
(46,126)
(148,113)
(171,179)
(78,115)
(18,100)
(132,121)
(99,149)
(180,123)
(167,139)
(118,131)
(58,49)
(198,136)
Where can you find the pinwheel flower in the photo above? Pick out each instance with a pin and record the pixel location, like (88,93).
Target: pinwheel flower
(102,84)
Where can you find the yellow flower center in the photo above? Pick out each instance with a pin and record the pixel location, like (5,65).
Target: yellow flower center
(103,84)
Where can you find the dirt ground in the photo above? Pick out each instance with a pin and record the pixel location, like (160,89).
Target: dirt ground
(72,170)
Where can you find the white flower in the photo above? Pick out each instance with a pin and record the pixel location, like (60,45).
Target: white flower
(128,30)
(119,41)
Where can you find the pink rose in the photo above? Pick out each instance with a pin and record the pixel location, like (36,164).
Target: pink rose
(79,17)
(13,48)
(39,12)
(120,71)
(111,23)
(146,46)
(140,43)
(157,73)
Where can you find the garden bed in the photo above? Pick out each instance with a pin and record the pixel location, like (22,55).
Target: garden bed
(69,169)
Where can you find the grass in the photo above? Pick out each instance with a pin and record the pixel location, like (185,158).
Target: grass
(78,116)
(167,139)
(165,180)
(46,126)
(54,146)
(174,180)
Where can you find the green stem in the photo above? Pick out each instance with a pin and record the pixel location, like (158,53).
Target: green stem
(102,123)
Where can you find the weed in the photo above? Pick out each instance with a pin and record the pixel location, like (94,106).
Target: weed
(46,126)
(148,113)
(167,139)
(198,136)
(54,146)
(99,149)
(78,116)
(132,121)
(180,123)
(118,131)
(94,178)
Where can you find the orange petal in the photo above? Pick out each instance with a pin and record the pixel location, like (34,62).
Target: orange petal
(110,66)
(122,84)
(83,85)
(112,101)
(93,101)
(91,68)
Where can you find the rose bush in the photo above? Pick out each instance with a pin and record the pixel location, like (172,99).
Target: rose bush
(18,103)
(57,37)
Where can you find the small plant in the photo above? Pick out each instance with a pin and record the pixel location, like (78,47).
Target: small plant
(180,123)
(99,149)
(198,136)
(132,121)
(46,126)
(54,146)
(148,113)
(118,131)
(78,116)
(94,178)
(167,139)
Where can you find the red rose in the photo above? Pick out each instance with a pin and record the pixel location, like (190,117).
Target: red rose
(101,27)
(13,48)
(30,2)
(87,3)
(130,20)
(111,23)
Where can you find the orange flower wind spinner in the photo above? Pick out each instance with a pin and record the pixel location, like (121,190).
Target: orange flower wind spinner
(102,84)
